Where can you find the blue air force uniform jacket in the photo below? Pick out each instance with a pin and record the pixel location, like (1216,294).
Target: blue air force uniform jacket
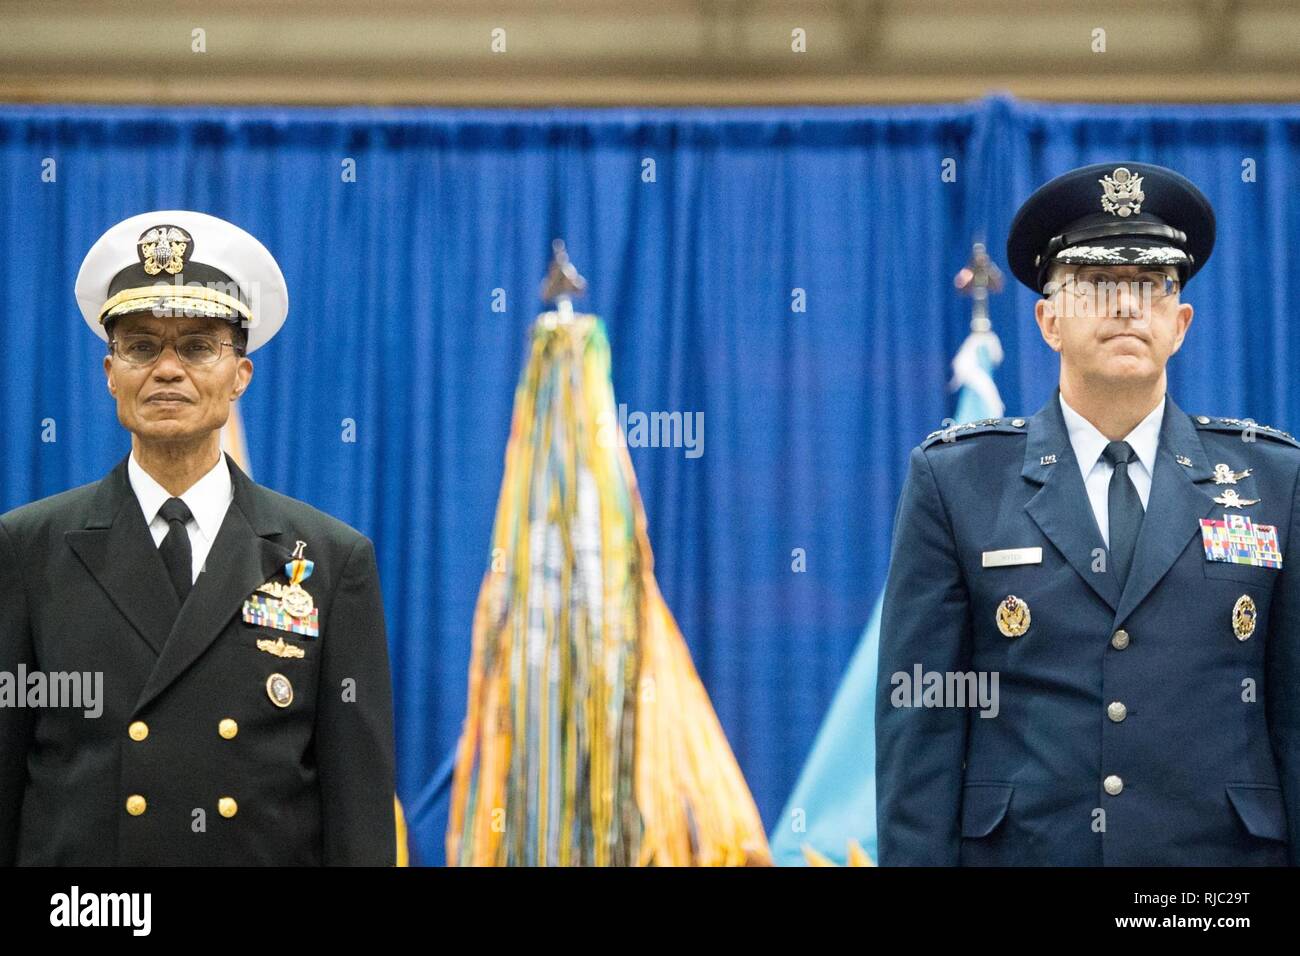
(1154,725)
(200,756)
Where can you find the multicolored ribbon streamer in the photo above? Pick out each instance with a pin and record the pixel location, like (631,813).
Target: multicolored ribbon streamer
(589,739)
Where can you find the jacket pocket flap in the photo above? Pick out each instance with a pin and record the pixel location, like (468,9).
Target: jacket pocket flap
(983,805)
(1260,808)
(1246,573)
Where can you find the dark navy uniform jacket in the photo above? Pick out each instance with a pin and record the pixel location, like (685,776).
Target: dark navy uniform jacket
(84,589)
(1205,749)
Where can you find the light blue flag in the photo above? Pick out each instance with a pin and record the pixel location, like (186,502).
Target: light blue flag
(834,801)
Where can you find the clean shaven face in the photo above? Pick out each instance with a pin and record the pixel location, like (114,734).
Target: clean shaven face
(1105,333)
(171,400)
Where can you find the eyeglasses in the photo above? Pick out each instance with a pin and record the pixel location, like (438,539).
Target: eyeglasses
(196,348)
(1145,285)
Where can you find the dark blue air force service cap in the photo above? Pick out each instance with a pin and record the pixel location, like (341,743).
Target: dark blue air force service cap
(1112,214)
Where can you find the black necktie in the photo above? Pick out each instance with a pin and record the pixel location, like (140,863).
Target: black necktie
(175,548)
(1124,509)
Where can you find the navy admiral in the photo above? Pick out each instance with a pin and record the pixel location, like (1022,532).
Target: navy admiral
(1130,571)
(247,712)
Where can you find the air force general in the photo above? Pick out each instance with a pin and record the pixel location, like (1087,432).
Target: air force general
(1130,571)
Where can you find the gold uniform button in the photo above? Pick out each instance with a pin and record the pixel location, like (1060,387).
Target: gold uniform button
(136,804)
(1113,785)
(228,728)
(227,807)
(138,730)
(1116,711)
(1120,640)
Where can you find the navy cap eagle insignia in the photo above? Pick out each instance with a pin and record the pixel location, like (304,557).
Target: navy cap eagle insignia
(163,249)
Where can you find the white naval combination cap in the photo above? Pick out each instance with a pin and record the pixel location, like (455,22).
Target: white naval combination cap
(175,262)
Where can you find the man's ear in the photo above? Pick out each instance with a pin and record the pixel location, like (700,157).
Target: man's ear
(108,374)
(243,375)
(1184,319)
(1048,324)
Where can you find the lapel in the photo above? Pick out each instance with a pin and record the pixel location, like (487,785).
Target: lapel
(117,549)
(1061,509)
(242,557)
(1178,499)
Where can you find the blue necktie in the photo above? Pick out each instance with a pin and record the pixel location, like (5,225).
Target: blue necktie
(175,548)
(1124,508)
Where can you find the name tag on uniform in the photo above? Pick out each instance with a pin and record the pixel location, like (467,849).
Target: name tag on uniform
(1238,540)
(1010,556)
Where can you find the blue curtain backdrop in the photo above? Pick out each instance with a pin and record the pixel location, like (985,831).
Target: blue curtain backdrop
(809,415)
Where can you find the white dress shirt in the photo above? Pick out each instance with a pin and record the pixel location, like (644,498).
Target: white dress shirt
(1089,443)
(208,499)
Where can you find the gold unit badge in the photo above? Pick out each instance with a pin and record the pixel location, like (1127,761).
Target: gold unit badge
(1243,617)
(1013,616)
(279,690)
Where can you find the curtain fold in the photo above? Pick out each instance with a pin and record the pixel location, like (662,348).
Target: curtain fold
(784,272)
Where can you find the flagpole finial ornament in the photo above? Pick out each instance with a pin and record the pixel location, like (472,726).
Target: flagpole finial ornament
(562,279)
(977,279)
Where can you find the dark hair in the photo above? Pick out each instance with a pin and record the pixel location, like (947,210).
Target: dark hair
(238,334)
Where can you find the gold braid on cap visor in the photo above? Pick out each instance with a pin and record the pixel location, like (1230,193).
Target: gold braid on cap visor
(193,299)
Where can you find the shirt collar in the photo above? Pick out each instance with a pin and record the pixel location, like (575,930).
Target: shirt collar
(208,498)
(1089,443)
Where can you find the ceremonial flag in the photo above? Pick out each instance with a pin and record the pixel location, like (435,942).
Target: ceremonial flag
(589,739)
